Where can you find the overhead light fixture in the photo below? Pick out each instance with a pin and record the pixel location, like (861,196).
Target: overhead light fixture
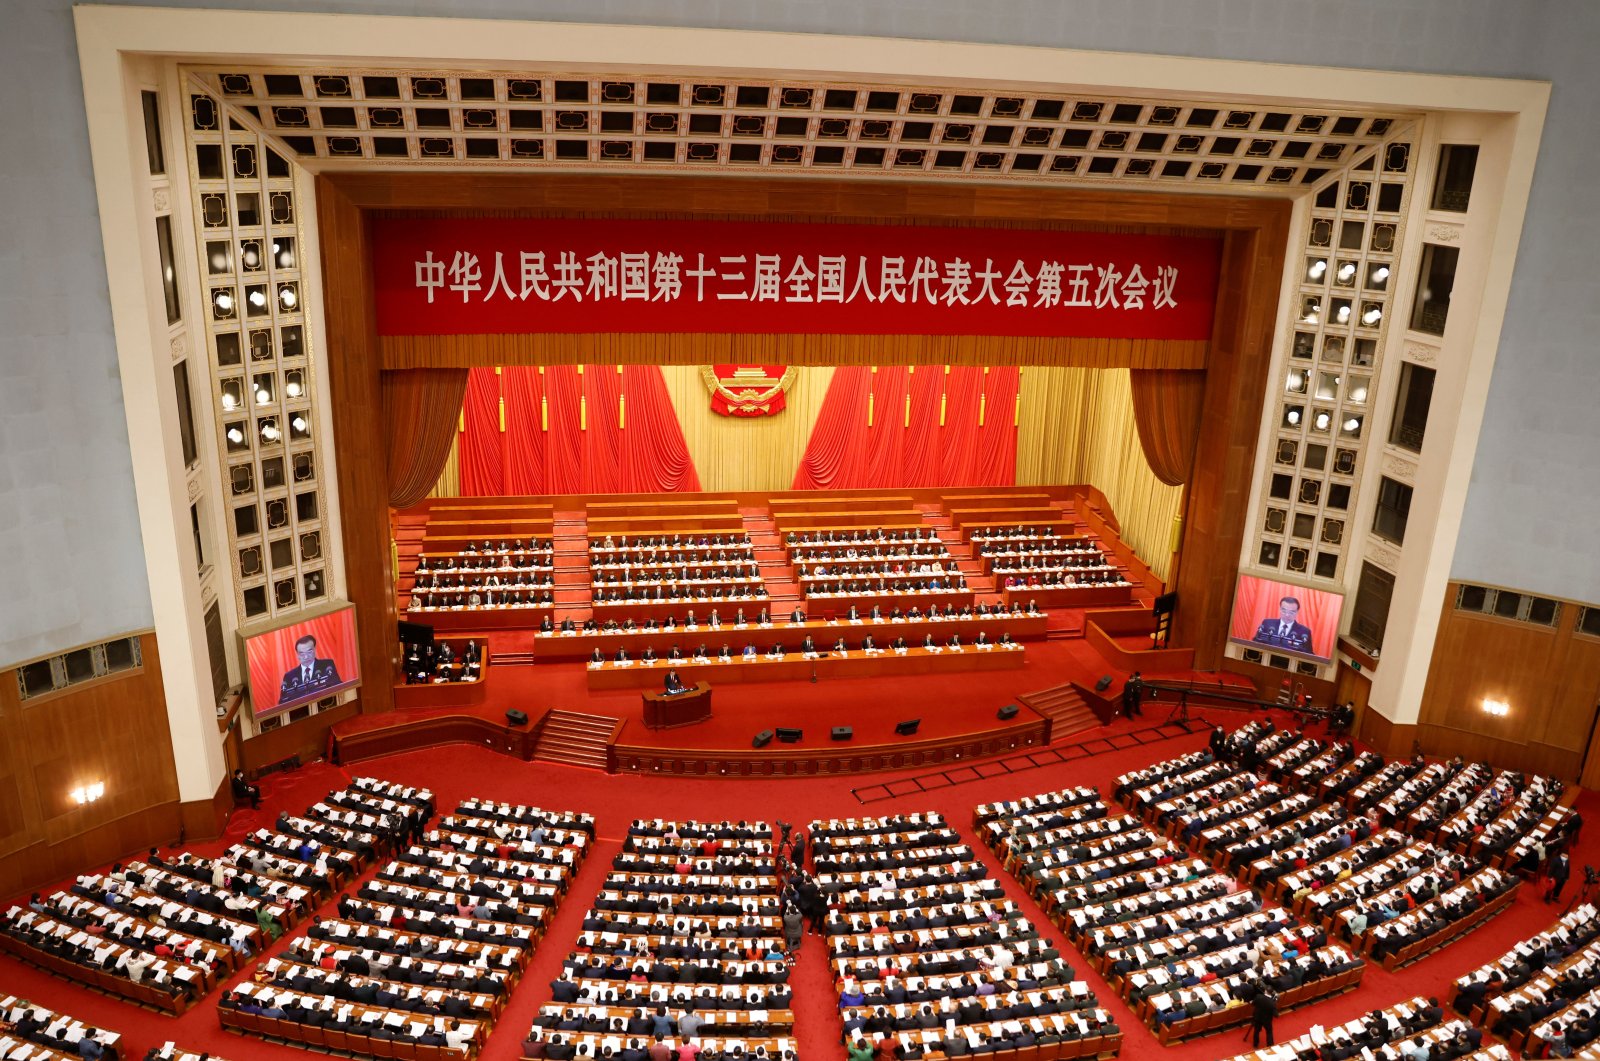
(229,401)
(251,256)
(258,297)
(287,297)
(270,432)
(1352,424)
(292,388)
(1318,267)
(1497,708)
(263,396)
(1344,314)
(1294,416)
(88,793)
(1358,394)
(223,300)
(1372,316)
(298,423)
(1380,274)
(1322,421)
(235,435)
(1347,270)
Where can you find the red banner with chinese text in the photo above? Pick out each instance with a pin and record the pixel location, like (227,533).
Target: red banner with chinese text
(487,276)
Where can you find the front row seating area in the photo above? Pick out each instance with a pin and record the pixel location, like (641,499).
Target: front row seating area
(918,936)
(421,960)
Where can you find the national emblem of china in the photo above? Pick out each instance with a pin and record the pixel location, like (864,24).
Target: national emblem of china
(747,390)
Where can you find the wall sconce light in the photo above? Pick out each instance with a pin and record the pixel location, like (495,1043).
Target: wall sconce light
(1497,708)
(89,793)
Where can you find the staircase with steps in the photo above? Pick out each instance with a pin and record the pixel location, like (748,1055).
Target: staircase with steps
(777,574)
(570,543)
(575,739)
(1064,707)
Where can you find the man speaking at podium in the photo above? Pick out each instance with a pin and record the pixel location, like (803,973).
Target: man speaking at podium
(1284,631)
(309,675)
(673,684)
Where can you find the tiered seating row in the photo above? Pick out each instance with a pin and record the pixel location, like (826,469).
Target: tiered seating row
(685,928)
(420,961)
(904,957)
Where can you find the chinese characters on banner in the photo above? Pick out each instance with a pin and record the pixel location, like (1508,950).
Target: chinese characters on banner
(523,275)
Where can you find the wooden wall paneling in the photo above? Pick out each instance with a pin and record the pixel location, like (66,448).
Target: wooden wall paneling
(307,738)
(1550,675)
(113,730)
(1218,497)
(359,439)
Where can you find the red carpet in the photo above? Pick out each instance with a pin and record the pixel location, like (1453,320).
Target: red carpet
(457,771)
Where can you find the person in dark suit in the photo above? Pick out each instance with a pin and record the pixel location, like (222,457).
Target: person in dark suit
(309,675)
(1285,631)
(673,683)
(1262,1012)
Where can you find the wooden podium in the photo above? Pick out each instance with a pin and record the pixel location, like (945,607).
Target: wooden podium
(666,710)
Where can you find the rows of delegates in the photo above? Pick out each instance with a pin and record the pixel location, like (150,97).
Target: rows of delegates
(425,953)
(31,1032)
(1190,949)
(930,957)
(165,931)
(1543,995)
(683,954)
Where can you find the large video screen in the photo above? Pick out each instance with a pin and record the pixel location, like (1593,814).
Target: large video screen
(304,661)
(1290,620)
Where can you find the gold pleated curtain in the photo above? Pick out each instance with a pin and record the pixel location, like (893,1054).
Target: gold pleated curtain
(1166,407)
(1077,425)
(420,410)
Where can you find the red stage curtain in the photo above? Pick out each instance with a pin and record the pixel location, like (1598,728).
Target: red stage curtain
(482,459)
(1166,408)
(524,435)
(997,442)
(607,432)
(905,445)
(420,407)
(654,454)
(837,438)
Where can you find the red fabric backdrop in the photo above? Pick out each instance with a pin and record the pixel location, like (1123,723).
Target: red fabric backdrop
(271,655)
(608,432)
(1257,599)
(905,445)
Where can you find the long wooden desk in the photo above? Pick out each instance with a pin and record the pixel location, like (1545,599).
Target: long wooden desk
(488,528)
(839,519)
(603,525)
(794,668)
(460,619)
(1068,596)
(664,710)
(960,517)
(474,507)
(446,694)
(579,646)
(951,503)
(839,604)
(973,531)
(679,609)
(788,505)
(712,506)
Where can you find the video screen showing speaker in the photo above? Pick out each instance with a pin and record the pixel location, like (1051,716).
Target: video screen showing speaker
(1280,617)
(301,662)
